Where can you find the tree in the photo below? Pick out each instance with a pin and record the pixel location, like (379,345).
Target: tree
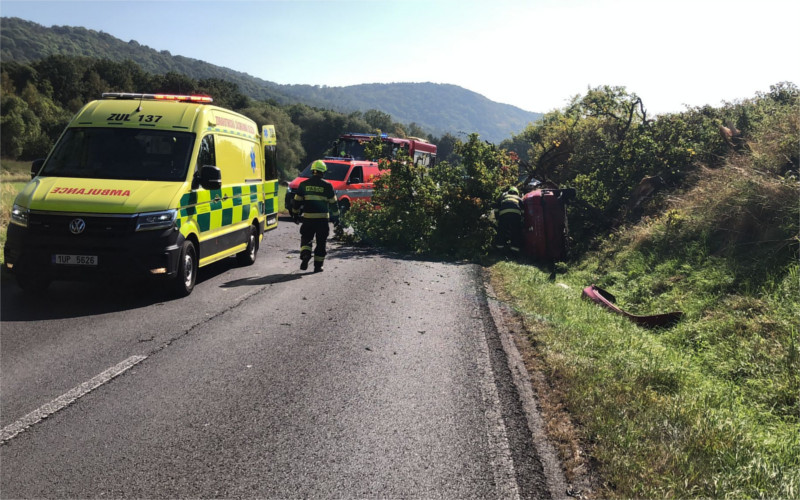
(14,129)
(443,210)
(290,148)
(378,120)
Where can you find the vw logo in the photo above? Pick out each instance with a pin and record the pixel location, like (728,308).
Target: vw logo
(77,226)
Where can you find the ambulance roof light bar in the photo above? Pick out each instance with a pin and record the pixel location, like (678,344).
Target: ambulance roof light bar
(202,99)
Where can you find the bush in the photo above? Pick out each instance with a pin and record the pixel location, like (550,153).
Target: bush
(443,211)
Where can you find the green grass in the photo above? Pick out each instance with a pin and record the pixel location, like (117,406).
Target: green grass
(709,407)
(13,176)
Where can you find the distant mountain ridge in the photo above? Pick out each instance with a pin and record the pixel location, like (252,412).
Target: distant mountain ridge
(438,108)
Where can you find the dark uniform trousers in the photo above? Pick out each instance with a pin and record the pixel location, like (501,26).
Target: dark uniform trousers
(509,222)
(310,230)
(509,229)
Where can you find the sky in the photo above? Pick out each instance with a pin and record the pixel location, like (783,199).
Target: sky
(533,54)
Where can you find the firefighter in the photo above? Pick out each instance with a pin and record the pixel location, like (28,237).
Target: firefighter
(316,201)
(509,221)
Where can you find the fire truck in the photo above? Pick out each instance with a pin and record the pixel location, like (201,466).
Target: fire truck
(352,173)
(351,145)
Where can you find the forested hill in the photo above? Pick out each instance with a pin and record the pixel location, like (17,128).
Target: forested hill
(437,108)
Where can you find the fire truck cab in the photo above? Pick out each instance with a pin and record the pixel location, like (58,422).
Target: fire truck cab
(351,180)
(352,174)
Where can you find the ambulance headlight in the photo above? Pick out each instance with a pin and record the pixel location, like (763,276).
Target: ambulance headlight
(19,215)
(156,220)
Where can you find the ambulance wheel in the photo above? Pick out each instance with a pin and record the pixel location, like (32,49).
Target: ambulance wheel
(32,282)
(184,280)
(247,257)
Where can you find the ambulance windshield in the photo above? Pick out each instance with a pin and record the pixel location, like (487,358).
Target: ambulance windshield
(133,154)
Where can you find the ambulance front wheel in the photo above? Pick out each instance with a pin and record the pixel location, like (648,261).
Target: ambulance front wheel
(247,257)
(184,280)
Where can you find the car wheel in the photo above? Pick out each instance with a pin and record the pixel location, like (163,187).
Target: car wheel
(186,277)
(247,257)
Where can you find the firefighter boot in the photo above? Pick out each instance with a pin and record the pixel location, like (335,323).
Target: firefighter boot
(305,256)
(318,265)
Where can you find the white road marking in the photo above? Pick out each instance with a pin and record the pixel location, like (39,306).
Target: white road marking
(67,398)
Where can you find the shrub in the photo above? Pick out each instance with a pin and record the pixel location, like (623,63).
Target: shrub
(442,211)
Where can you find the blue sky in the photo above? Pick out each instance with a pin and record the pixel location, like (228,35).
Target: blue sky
(530,53)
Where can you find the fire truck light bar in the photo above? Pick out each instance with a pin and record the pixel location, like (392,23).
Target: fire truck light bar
(159,97)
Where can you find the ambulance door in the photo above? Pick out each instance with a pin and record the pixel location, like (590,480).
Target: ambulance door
(270,185)
(208,202)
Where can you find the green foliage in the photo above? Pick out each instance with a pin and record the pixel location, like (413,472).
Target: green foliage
(604,145)
(707,408)
(439,211)
(290,147)
(39,99)
(319,128)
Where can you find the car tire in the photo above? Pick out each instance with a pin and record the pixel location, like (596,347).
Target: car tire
(247,257)
(186,277)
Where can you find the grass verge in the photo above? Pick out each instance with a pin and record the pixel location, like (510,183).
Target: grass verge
(709,407)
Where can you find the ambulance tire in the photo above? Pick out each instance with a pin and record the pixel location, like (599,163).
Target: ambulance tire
(247,257)
(186,277)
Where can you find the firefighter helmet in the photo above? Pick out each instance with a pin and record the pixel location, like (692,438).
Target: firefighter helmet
(513,191)
(319,166)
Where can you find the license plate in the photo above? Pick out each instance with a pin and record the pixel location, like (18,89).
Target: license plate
(74,260)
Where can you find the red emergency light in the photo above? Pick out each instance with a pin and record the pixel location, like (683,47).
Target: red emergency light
(190,98)
(202,99)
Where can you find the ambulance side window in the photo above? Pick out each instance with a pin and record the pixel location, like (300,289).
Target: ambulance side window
(206,155)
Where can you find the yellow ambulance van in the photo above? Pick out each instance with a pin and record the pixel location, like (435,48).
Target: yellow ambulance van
(145,184)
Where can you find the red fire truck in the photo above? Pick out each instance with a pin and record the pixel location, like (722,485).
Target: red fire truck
(352,174)
(351,145)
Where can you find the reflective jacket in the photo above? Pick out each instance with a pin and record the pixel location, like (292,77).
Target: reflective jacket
(315,199)
(509,204)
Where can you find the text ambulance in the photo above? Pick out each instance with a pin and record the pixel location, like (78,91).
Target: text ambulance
(145,184)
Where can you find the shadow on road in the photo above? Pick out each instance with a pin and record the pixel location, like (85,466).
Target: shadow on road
(264,280)
(72,299)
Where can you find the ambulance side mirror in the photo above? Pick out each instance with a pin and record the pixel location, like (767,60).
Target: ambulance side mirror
(36,166)
(209,178)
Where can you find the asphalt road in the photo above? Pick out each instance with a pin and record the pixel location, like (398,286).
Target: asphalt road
(382,377)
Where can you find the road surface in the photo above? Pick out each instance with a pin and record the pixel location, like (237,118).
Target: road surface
(382,377)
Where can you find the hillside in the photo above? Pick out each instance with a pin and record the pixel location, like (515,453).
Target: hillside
(439,107)
(435,107)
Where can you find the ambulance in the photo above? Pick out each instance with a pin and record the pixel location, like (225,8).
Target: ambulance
(150,185)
